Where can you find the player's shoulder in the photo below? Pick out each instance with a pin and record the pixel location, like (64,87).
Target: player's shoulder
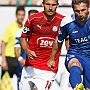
(36,15)
(13,24)
(18,34)
(89,18)
(67,19)
(10,26)
(60,16)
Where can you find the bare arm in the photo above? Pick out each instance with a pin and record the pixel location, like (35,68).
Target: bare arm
(31,54)
(55,48)
(4,63)
(17,52)
(67,43)
(24,44)
(3,45)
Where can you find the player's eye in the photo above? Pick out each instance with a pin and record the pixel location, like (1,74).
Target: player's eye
(83,10)
(47,4)
(77,11)
(50,4)
(54,4)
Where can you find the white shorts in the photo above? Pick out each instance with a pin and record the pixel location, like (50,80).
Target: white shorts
(42,79)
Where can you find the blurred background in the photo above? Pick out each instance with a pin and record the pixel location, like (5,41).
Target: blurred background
(30,2)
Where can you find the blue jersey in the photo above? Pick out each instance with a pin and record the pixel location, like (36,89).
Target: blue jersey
(17,44)
(79,35)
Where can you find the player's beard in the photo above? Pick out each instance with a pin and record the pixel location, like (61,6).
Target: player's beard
(83,19)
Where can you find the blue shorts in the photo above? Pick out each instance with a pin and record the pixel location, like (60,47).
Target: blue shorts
(85,62)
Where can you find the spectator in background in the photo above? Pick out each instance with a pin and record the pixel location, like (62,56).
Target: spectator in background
(29,2)
(24,2)
(19,52)
(7,2)
(9,62)
(37,2)
(12,2)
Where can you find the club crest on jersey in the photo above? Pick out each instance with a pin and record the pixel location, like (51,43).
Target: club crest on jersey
(55,28)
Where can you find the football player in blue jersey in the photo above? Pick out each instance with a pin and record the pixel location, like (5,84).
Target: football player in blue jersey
(77,62)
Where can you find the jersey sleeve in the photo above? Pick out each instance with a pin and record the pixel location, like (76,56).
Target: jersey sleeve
(17,40)
(62,34)
(26,29)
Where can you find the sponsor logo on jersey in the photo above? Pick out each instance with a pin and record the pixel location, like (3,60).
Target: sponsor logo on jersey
(80,40)
(55,28)
(39,26)
(45,42)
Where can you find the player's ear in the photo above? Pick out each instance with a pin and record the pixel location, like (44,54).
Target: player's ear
(42,4)
(57,4)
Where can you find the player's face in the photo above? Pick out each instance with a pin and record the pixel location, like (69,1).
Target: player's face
(81,11)
(50,7)
(20,16)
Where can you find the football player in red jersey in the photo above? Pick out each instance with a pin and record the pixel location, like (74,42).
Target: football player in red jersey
(41,30)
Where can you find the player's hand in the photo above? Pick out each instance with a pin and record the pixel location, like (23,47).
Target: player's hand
(22,62)
(4,64)
(51,63)
(31,54)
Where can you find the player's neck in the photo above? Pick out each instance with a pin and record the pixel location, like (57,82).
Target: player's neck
(48,17)
(19,24)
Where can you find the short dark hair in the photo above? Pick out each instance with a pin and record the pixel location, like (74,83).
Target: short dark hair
(79,1)
(20,8)
(44,1)
(32,11)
